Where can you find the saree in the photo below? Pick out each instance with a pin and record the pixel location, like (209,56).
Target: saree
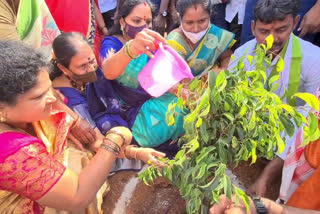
(31,166)
(145,115)
(77,16)
(29,21)
(215,42)
(101,112)
(301,173)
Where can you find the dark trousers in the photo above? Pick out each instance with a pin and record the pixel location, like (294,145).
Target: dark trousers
(108,18)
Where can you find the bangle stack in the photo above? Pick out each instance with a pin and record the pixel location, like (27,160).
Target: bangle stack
(127,49)
(117,133)
(110,145)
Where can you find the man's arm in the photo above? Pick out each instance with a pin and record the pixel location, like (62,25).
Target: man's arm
(160,20)
(311,21)
(227,206)
(271,171)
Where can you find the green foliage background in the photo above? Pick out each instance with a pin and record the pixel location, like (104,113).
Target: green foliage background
(232,118)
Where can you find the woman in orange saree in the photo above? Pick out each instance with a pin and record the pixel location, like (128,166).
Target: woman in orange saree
(34,170)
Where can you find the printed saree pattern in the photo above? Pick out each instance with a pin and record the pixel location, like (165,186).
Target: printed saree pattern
(205,55)
(30,167)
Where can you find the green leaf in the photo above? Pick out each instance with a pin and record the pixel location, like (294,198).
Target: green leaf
(280,144)
(227,186)
(269,41)
(310,99)
(221,79)
(172,120)
(212,184)
(229,116)
(273,79)
(264,76)
(274,87)
(204,152)
(212,79)
(215,197)
(234,142)
(313,124)
(222,154)
(204,132)
(250,58)
(194,84)
(243,110)
(194,145)
(199,122)
(287,107)
(280,64)
(180,154)
(288,125)
(167,172)
(202,171)
(243,196)
(252,122)
(253,151)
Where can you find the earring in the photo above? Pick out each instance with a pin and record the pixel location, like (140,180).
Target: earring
(2,118)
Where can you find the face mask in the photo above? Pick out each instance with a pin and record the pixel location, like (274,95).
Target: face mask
(132,30)
(87,77)
(195,37)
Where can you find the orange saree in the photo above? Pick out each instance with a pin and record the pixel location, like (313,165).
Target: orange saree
(307,194)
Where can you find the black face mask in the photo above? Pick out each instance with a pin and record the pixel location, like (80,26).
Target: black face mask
(85,78)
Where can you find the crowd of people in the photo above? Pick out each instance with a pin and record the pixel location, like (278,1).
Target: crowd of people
(72,108)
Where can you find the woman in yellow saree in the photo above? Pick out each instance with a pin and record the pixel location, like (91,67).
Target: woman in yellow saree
(34,168)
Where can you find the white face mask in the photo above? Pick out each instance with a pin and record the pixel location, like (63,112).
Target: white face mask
(195,37)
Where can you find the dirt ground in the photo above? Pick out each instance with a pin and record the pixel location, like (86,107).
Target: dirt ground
(162,197)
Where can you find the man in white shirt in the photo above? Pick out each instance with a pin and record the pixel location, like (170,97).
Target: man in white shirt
(279,18)
(309,25)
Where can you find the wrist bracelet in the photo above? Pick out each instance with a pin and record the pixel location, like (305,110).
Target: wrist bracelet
(117,133)
(125,150)
(110,148)
(111,144)
(107,143)
(108,140)
(127,47)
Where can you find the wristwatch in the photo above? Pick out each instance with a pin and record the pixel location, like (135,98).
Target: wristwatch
(164,13)
(261,209)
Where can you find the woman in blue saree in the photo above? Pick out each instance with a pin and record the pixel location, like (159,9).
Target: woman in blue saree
(123,56)
(75,76)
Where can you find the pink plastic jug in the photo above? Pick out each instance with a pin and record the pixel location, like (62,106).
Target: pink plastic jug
(161,73)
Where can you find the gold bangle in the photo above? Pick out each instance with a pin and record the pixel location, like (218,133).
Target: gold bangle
(135,154)
(110,148)
(117,133)
(112,141)
(125,150)
(127,48)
